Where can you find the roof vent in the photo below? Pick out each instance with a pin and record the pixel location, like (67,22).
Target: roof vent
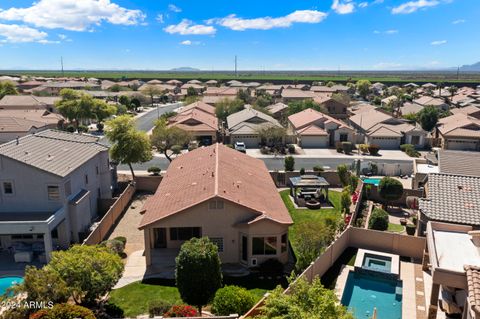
(460,187)
(194,183)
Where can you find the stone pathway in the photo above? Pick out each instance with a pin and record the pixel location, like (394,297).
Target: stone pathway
(420,292)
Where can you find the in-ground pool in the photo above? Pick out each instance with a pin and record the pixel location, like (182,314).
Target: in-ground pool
(7,282)
(373,181)
(377,263)
(364,292)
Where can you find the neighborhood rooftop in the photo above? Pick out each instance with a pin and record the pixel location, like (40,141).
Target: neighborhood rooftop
(458,162)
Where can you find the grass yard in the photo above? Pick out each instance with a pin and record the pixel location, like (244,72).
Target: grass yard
(316,216)
(396,228)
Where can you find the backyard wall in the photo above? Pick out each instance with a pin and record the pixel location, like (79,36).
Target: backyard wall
(375,196)
(111,217)
(146,183)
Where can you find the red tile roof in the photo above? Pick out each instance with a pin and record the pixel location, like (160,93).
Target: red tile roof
(216,171)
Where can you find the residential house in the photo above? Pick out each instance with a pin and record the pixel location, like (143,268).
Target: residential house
(202,125)
(273,90)
(334,108)
(214,100)
(50,184)
(55,87)
(382,129)
(28,85)
(458,162)
(470,110)
(389,100)
(198,88)
(211,83)
(243,126)
(28,102)
(314,129)
(199,105)
(18,123)
(459,132)
(322,89)
(290,95)
(410,108)
(278,110)
(222,91)
(432,101)
(225,195)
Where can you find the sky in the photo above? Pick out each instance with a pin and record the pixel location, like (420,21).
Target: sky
(264,34)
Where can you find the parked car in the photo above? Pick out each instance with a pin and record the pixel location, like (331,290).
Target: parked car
(240,146)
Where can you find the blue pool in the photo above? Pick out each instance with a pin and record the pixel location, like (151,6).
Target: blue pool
(7,282)
(363,292)
(373,181)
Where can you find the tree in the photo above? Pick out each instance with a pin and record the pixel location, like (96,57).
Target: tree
(64,311)
(198,272)
(343,174)
(191,91)
(129,144)
(298,106)
(168,138)
(452,90)
(232,299)
(44,285)
(244,95)
(342,98)
(305,300)
(226,107)
(428,117)
(363,87)
(152,91)
(7,88)
(102,110)
(272,135)
(311,240)
(378,220)
(89,271)
(191,99)
(262,101)
(345,201)
(390,189)
(289,164)
(125,100)
(330,84)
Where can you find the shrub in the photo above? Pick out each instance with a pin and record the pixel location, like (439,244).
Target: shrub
(347,147)
(158,308)
(122,239)
(176,149)
(373,149)
(339,147)
(111,310)
(302,171)
(359,222)
(192,147)
(82,129)
(271,267)
(232,299)
(410,150)
(318,168)
(363,148)
(181,311)
(289,164)
(390,189)
(415,220)
(70,128)
(100,127)
(155,170)
(411,229)
(64,311)
(115,245)
(265,150)
(291,148)
(378,219)
(345,201)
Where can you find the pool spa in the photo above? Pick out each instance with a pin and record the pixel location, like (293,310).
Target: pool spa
(372,181)
(374,284)
(7,282)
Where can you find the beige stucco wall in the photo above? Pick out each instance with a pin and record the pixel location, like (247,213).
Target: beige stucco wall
(227,223)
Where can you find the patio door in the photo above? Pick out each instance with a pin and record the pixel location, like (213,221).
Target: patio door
(244,251)
(159,238)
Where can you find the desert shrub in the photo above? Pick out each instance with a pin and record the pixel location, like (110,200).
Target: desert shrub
(122,239)
(347,147)
(158,308)
(339,147)
(115,245)
(70,128)
(363,148)
(378,219)
(181,311)
(110,311)
(232,299)
(318,168)
(291,148)
(155,170)
(82,128)
(373,149)
(410,150)
(265,150)
(64,311)
(289,164)
(302,171)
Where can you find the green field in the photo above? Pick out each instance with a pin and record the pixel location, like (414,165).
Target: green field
(272,76)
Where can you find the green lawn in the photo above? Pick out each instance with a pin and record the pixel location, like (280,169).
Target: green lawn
(316,216)
(395,228)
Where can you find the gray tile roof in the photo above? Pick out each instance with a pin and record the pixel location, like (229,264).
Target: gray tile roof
(459,162)
(452,198)
(56,152)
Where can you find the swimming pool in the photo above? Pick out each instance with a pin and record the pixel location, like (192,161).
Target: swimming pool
(373,181)
(377,263)
(7,282)
(364,292)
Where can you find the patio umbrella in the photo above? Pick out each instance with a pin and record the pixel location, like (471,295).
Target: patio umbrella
(374,313)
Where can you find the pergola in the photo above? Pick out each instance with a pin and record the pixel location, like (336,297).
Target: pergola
(310,184)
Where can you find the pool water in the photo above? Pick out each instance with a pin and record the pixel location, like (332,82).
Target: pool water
(377,263)
(373,181)
(363,292)
(7,282)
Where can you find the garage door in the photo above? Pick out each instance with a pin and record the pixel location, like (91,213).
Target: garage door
(314,141)
(386,143)
(251,141)
(462,145)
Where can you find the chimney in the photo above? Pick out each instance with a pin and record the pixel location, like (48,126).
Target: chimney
(475,234)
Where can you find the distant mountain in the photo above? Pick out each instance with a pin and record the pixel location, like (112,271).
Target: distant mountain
(471,67)
(185,69)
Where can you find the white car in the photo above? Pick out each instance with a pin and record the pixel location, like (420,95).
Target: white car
(240,146)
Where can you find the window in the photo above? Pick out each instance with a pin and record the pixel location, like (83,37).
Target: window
(22,236)
(53,192)
(86,179)
(284,243)
(415,140)
(184,233)
(219,242)
(96,168)
(343,137)
(8,188)
(264,245)
(215,204)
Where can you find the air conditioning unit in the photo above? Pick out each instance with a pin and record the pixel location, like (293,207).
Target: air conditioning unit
(253,261)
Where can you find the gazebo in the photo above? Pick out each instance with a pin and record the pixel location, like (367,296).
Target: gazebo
(311,187)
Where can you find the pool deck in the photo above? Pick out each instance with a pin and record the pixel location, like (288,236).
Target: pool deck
(407,275)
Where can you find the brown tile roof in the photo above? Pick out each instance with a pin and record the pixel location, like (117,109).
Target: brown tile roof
(473,283)
(367,119)
(312,130)
(458,162)
(297,94)
(471,110)
(200,106)
(459,125)
(213,99)
(216,171)
(308,116)
(220,91)
(428,100)
(197,116)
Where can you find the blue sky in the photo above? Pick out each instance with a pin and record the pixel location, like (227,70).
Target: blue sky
(265,34)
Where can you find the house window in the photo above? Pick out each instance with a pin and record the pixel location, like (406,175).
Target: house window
(53,192)
(284,243)
(184,233)
(215,204)
(86,179)
(96,168)
(415,140)
(264,245)
(219,242)
(8,188)
(343,137)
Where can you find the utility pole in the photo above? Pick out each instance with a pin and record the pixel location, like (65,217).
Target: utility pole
(458,72)
(236,66)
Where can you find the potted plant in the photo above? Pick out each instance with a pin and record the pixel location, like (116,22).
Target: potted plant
(411,229)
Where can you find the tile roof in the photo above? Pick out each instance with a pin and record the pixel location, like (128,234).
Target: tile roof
(216,171)
(369,118)
(459,162)
(473,283)
(275,108)
(309,116)
(312,130)
(452,198)
(250,115)
(471,110)
(411,108)
(28,100)
(428,100)
(459,125)
(297,94)
(25,120)
(193,119)
(200,106)
(56,152)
